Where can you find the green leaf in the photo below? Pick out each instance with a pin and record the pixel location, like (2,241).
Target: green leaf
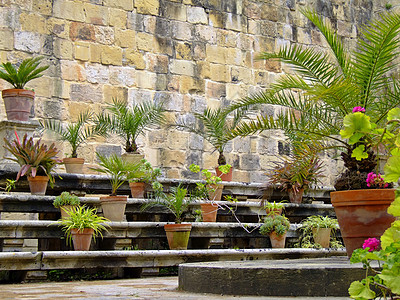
(355,123)
(394,114)
(359,291)
(392,169)
(391,235)
(392,280)
(359,152)
(394,208)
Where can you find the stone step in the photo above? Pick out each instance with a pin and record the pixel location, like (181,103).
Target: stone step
(316,277)
(51,260)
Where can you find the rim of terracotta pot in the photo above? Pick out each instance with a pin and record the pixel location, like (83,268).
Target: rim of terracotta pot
(73,160)
(113,198)
(360,197)
(17,92)
(178,227)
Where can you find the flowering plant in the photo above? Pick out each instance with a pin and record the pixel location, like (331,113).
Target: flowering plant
(376,180)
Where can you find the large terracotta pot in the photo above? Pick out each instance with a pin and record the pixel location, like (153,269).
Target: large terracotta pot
(82,239)
(114,207)
(18,103)
(137,189)
(38,184)
(277,241)
(225,177)
(74,164)
(322,236)
(296,197)
(209,212)
(178,235)
(362,214)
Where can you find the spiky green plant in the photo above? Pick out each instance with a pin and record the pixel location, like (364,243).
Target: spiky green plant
(129,123)
(176,201)
(66,199)
(28,70)
(74,133)
(116,168)
(216,127)
(83,217)
(327,85)
(278,224)
(34,158)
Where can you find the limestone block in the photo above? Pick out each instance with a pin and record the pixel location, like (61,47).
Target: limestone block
(171,101)
(182,31)
(161,82)
(42,86)
(144,41)
(183,50)
(303,36)
(217,19)
(108,150)
(61,88)
(249,162)
(58,27)
(111,92)
(157,63)
(71,70)
(43,7)
(253,10)
(152,156)
(177,140)
(196,142)
(215,89)
(258,176)
(234,22)
(33,22)
(188,84)
(82,51)
(196,15)
(215,54)
(104,35)
(70,10)
(146,80)
(6,39)
(139,96)
(163,46)
(150,23)
(122,76)
(226,38)
(150,7)
(157,139)
(235,91)
(234,56)
(269,12)
(82,31)
(242,145)
(75,108)
(241,74)
(96,14)
(173,158)
(123,4)
(135,58)
(182,67)
(254,27)
(210,160)
(86,93)
(203,69)
(173,173)
(27,41)
(241,176)
(175,11)
(205,33)
(125,38)
(111,55)
(173,82)
(118,18)
(97,73)
(219,72)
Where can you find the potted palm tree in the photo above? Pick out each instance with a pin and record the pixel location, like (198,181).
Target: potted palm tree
(141,176)
(81,225)
(326,88)
(130,123)
(177,203)
(276,227)
(18,101)
(75,134)
(216,126)
(37,160)
(113,206)
(66,202)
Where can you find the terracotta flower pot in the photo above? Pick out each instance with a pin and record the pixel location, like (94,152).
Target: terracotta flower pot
(74,164)
(65,209)
(38,184)
(178,235)
(362,214)
(217,194)
(296,197)
(277,241)
(225,177)
(82,239)
(137,189)
(114,207)
(209,212)
(18,103)
(322,236)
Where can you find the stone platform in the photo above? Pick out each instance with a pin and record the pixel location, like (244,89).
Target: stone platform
(318,277)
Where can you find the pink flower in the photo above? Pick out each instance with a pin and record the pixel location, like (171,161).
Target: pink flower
(359,109)
(374,180)
(371,243)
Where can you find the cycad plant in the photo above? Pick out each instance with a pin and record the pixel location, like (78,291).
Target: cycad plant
(74,133)
(129,123)
(216,127)
(326,86)
(29,69)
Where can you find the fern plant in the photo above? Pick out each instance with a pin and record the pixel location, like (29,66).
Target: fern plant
(28,70)
(129,123)
(216,127)
(327,85)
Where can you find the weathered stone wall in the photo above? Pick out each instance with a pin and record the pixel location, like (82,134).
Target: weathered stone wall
(188,53)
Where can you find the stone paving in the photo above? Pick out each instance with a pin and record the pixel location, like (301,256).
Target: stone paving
(165,288)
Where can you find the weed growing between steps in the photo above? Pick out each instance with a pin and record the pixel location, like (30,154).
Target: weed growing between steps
(80,274)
